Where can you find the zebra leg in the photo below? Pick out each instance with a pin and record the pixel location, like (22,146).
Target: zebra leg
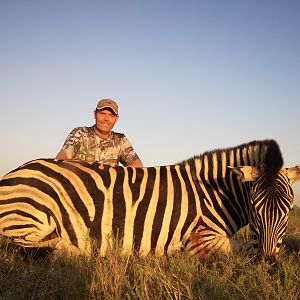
(51,244)
(209,242)
(239,246)
(60,247)
(65,248)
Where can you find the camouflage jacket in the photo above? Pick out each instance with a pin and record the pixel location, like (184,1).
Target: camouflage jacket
(85,144)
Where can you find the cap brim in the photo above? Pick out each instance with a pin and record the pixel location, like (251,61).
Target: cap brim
(109,107)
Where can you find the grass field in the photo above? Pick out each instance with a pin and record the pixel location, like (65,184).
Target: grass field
(175,277)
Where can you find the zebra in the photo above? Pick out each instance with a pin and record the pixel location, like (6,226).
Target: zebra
(197,204)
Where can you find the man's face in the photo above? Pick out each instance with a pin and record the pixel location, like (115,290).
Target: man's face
(105,120)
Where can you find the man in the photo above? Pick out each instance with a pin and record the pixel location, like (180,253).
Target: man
(99,142)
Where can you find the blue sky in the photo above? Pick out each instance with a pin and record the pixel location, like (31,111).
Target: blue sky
(189,76)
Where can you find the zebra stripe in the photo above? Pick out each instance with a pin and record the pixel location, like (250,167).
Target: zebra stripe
(198,204)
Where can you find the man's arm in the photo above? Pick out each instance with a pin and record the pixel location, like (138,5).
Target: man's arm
(67,150)
(64,154)
(129,157)
(137,163)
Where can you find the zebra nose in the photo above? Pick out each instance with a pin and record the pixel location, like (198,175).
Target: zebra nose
(270,256)
(271,259)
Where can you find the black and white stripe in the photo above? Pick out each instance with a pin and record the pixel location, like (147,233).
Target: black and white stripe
(198,204)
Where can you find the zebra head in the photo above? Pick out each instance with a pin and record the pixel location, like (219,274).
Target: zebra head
(271,199)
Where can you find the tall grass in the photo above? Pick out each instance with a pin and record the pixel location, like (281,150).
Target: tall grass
(174,277)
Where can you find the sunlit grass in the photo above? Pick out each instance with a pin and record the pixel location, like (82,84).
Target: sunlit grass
(174,277)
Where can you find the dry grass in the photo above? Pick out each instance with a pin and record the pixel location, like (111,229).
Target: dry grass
(175,277)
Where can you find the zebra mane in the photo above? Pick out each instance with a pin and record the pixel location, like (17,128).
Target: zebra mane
(269,155)
(273,160)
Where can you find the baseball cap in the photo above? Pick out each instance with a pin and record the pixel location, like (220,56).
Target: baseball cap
(108,103)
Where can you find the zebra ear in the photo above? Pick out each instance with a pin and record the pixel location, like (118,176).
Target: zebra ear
(293,173)
(245,173)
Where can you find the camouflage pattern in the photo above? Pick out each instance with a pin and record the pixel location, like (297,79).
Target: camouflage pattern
(85,144)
